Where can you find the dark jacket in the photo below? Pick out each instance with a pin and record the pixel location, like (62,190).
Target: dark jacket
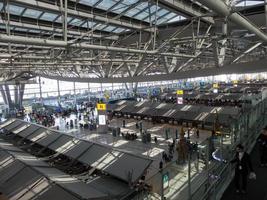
(244,165)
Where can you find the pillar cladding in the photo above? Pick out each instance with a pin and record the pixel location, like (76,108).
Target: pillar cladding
(16,95)
(8,97)
(3,94)
(21,94)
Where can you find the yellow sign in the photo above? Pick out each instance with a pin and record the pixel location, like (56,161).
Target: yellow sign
(215,85)
(180,92)
(101,106)
(235,81)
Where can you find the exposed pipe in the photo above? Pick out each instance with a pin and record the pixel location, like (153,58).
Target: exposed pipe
(59,43)
(221,8)
(22,57)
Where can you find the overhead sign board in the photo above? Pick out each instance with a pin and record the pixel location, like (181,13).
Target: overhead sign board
(215,85)
(180,92)
(101,106)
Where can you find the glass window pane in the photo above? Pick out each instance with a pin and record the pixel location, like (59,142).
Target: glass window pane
(88,24)
(34,31)
(118,30)
(106,4)
(32,13)
(176,19)
(109,28)
(20,29)
(142,15)
(129,2)
(162,12)
(153,9)
(132,12)
(161,20)
(76,22)
(249,3)
(16,10)
(119,8)
(169,16)
(49,16)
(142,6)
(88,2)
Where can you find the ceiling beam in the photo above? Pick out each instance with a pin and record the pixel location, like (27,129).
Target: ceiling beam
(63,44)
(186,9)
(236,68)
(54,29)
(80,14)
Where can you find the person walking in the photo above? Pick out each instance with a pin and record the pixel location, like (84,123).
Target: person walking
(263,147)
(242,168)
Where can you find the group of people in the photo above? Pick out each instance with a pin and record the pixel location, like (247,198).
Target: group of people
(129,136)
(44,119)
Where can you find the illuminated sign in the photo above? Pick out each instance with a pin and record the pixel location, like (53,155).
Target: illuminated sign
(235,81)
(215,85)
(101,106)
(180,100)
(102,119)
(215,91)
(180,92)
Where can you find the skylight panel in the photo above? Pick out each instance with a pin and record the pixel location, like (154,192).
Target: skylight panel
(109,28)
(118,30)
(129,2)
(32,13)
(170,16)
(2,26)
(142,15)
(161,20)
(119,8)
(16,10)
(88,24)
(76,22)
(132,12)
(162,12)
(34,31)
(153,9)
(142,6)
(106,4)
(176,19)
(249,3)
(88,2)
(48,16)
(21,29)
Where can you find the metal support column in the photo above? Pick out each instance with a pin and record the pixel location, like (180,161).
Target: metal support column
(58,91)
(16,95)
(40,91)
(21,94)
(89,99)
(101,92)
(8,97)
(3,94)
(75,98)
(112,90)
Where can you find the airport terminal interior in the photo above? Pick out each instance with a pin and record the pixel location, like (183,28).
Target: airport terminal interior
(133,99)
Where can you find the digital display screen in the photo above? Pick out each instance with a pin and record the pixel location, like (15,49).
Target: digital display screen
(102,119)
(180,100)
